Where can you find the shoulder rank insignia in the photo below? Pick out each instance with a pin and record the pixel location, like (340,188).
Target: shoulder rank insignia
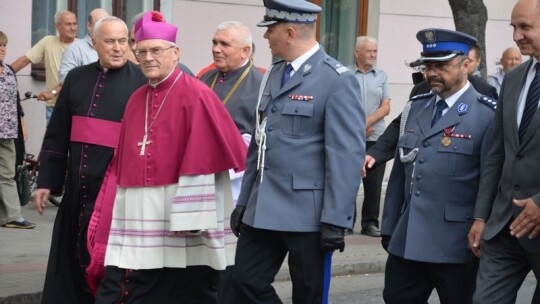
(336,65)
(422,96)
(488,101)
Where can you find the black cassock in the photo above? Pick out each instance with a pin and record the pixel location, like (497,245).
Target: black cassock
(88,91)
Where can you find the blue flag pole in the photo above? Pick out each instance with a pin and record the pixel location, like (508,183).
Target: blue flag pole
(327,275)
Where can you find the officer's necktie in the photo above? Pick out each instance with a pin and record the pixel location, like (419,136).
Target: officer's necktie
(531,104)
(441,105)
(286,74)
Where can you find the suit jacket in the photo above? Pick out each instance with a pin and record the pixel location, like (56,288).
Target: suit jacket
(429,207)
(315,148)
(385,147)
(510,170)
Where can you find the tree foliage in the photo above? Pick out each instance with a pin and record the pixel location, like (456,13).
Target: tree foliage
(470,16)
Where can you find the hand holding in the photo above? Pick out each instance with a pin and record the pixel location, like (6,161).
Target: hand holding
(332,237)
(236,219)
(528,220)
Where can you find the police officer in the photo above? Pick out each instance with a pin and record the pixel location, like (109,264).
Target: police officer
(299,189)
(430,199)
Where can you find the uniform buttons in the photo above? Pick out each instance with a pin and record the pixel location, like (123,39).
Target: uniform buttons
(266,167)
(419,177)
(91,114)
(85,166)
(100,85)
(296,110)
(86,146)
(468,217)
(151,131)
(273,110)
(270,129)
(155,106)
(149,154)
(148,179)
(421,160)
(349,218)
(84,187)
(516,187)
(85,155)
(126,293)
(98,95)
(94,105)
(83,176)
(316,184)
(518,157)
(425,144)
(148,167)
(455,148)
(417,193)
(84,196)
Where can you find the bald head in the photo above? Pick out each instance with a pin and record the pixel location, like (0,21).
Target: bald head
(510,58)
(94,16)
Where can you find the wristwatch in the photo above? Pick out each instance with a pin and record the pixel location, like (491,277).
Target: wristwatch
(54,92)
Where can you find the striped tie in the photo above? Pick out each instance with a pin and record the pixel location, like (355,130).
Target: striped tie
(531,104)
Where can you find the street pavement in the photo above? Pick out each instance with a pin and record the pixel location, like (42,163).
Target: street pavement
(24,254)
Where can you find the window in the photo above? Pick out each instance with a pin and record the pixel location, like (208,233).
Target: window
(43,16)
(340,23)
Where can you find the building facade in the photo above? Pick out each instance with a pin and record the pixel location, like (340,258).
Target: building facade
(393,22)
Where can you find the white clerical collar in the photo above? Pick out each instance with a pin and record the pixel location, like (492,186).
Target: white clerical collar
(154,85)
(297,63)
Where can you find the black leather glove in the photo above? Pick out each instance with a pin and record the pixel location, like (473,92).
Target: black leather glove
(385,241)
(332,237)
(236,219)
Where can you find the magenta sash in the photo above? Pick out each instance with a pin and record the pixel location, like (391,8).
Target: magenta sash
(95,131)
(104,133)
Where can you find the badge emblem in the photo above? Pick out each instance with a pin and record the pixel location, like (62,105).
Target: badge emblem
(430,36)
(446,141)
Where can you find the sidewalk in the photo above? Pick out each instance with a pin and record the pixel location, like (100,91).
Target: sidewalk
(24,254)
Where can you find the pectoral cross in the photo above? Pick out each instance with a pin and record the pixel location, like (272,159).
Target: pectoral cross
(144,143)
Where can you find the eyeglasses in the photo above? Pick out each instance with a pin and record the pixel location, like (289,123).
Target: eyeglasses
(154,52)
(438,67)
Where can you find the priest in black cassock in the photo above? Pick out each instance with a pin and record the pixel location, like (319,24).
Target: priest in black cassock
(235,79)
(80,141)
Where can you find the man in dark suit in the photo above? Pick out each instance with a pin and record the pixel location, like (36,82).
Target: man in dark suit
(443,139)
(299,189)
(507,213)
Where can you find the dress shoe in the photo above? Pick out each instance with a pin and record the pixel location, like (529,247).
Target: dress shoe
(371,231)
(20,225)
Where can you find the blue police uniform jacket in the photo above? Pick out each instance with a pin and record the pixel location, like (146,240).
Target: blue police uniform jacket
(315,149)
(430,202)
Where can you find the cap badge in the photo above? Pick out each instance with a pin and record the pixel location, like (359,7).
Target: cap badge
(430,36)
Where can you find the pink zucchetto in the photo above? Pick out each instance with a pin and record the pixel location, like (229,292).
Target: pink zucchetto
(153,26)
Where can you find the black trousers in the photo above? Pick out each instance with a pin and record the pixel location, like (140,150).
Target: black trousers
(372,184)
(259,255)
(411,282)
(191,285)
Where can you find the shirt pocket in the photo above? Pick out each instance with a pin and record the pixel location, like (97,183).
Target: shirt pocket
(297,119)
(456,154)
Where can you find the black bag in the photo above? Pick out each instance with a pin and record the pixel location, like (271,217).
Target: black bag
(23,184)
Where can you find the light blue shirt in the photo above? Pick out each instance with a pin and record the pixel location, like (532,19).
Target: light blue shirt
(80,52)
(374,89)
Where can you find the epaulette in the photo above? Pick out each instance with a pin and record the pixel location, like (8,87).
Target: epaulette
(422,96)
(335,65)
(488,101)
